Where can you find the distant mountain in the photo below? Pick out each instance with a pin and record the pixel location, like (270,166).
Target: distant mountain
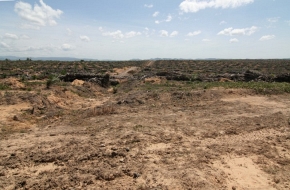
(45,58)
(85,59)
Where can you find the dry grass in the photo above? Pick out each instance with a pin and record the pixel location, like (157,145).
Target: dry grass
(103,110)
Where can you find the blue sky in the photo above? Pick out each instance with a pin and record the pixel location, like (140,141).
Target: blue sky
(144,29)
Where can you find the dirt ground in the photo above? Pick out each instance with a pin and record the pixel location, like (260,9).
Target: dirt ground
(85,137)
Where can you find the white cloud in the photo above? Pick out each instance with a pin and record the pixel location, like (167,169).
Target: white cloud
(11,36)
(234,40)
(147,32)
(85,38)
(39,15)
(196,5)
(16,48)
(69,31)
(195,33)
(148,6)
(174,33)
(119,34)
(267,37)
(132,34)
(273,20)
(101,29)
(155,14)
(4,45)
(169,18)
(206,40)
(223,22)
(66,47)
(29,26)
(243,31)
(163,33)
(24,37)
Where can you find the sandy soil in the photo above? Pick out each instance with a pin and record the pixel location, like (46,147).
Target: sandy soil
(142,139)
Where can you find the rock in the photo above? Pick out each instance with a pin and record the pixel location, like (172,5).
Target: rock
(252,75)
(102,145)
(102,80)
(136,175)
(16,118)
(120,102)
(140,101)
(282,78)
(174,76)
(114,82)
(114,154)
(276,180)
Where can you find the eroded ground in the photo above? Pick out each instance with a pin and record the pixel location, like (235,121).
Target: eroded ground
(87,137)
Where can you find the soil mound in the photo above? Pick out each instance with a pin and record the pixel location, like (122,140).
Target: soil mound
(13,83)
(77,82)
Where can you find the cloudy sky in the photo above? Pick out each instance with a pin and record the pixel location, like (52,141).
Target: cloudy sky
(144,29)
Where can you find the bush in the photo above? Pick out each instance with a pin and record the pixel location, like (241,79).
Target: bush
(52,79)
(3,87)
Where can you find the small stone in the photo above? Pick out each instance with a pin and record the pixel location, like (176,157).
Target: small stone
(102,145)
(136,175)
(276,180)
(113,154)
(15,118)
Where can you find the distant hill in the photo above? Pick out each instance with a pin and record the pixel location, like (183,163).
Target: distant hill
(45,58)
(85,59)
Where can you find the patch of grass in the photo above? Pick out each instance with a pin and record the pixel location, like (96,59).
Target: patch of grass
(7,130)
(271,169)
(142,128)
(103,110)
(258,87)
(4,87)
(51,80)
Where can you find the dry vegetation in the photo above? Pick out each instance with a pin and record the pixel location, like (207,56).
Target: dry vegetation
(162,125)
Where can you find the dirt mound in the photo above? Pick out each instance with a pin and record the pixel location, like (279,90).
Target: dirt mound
(124,72)
(13,83)
(154,80)
(77,82)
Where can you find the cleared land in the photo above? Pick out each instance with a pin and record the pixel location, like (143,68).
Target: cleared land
(148,131)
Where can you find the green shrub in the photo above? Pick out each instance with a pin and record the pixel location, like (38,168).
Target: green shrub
(52,79)
(3,87)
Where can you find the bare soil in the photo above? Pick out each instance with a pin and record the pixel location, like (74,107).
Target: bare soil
(86,137)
